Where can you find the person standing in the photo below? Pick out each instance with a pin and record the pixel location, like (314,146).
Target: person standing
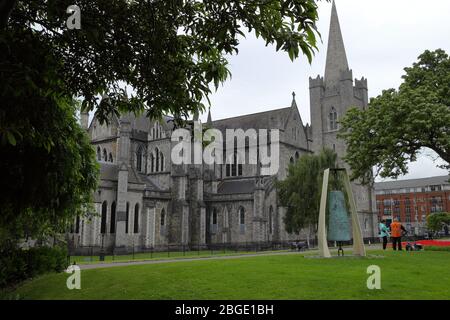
(384,233)
(397,230)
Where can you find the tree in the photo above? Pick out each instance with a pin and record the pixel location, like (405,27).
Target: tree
(49,169)
(169,52)
(436,221)
(398,123)
(301,190)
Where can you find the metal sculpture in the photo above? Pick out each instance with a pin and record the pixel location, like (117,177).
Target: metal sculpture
(338,224)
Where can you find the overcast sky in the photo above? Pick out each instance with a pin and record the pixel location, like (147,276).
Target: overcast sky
(381,38)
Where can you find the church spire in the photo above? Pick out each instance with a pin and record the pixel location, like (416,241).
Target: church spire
(209,121)
(336,57)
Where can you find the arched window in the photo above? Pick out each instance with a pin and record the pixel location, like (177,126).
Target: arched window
(239,166)
(105,155)
(157,160)
(103,221)
(242,220)
(99,154)
(297,155)
(152,163)
(127,217)
(234,169)
(214,220)
(270,219)
(234,165)
(291,160)
(110,157)
(332,117)
(162,228)
(112,226)
(153,134)
(139,159)
(214,216)
(163,217)
(162,162)
(136,218)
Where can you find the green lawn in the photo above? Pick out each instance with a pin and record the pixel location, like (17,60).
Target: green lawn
(163,255)
(404,275)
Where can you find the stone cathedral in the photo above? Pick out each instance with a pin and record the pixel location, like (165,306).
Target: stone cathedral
(144,201)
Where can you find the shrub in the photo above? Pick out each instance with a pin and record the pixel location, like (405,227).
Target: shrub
(436,248)
(17,265)
(437,221)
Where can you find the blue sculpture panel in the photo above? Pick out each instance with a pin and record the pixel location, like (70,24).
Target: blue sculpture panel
(338,222)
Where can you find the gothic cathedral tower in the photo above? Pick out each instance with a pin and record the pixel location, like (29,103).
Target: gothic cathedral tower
(330,98)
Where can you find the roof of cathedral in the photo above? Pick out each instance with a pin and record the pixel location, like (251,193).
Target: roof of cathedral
(110,171)
(272,119)
(236,186)
(141,124)
(149,185)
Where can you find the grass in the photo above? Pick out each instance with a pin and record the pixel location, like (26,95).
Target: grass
(404,275)
(436,248)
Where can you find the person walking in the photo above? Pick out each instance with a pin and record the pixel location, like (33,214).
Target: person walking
(384,233)
(397,230)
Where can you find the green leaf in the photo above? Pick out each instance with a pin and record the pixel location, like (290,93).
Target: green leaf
(11,138)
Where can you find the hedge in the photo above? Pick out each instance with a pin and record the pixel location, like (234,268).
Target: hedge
(436,248)
(17,265)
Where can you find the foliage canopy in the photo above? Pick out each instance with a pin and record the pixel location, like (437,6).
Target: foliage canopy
(48,166)
(301,190)
(437,221)
(399,123)
(169,52)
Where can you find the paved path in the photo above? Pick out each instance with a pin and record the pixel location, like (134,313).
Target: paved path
(129,263)
(221,257)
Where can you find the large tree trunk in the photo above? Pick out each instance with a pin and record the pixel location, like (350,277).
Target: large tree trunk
(6,7)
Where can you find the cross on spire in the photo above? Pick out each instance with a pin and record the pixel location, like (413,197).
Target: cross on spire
(294,103)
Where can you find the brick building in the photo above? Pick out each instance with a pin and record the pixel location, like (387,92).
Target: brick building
(412,200)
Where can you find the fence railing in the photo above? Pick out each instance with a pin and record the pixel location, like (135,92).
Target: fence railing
(92,254)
